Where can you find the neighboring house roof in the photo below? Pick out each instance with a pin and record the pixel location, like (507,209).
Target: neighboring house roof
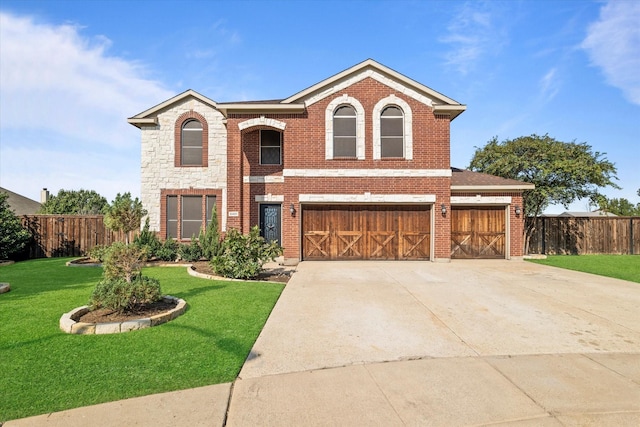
(466,180)
(19,204)
(587,214)
(298,102)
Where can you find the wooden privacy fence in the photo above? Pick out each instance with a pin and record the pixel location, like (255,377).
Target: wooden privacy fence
(68,235)
(586,235)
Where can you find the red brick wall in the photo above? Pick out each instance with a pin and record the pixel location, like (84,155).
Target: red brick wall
(304,148)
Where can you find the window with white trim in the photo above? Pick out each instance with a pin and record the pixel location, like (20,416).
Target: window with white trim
(392,132)
(392,129)
(270,147)
(344,128)
(344,131)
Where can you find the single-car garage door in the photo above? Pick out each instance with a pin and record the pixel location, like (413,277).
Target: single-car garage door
(478,232)
(347,232)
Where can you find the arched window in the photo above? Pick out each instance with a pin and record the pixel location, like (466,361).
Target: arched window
(191,143)
(344,132)
(392,129)
(392,132)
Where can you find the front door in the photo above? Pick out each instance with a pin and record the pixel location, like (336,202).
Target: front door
(270,221)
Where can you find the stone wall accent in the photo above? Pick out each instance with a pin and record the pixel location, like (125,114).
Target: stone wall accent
(158,170)
(70,324)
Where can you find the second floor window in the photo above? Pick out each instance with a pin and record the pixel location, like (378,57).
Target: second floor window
(191,143)
(344,132)
(270,147)
(392,132)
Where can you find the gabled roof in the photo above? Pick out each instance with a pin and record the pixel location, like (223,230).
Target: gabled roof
(298,102)
(149,116)
(372,65)
(19,204)
(466,180)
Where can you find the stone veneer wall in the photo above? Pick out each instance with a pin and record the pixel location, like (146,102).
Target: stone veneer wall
(158,155)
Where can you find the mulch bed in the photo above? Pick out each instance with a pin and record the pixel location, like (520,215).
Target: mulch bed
(105,315)
(273,275)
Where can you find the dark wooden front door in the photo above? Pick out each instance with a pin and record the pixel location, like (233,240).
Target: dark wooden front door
(478,232)
(341,232)
(270,222)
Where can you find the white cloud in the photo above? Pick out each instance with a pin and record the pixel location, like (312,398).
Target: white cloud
(549,85)
(56,80)
(64,105)
(472,33)
(613,44)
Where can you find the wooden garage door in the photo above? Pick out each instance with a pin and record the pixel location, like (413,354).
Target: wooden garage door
(478,232)
(340,232)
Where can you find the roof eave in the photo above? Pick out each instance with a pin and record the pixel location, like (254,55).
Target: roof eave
(142,122)
(452,111)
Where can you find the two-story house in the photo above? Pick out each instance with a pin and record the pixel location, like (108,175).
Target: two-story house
(356,166)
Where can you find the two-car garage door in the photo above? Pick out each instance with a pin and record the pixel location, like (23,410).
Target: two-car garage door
(342,232)
(353,232)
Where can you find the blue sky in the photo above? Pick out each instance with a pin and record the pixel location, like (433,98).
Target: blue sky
(72,72)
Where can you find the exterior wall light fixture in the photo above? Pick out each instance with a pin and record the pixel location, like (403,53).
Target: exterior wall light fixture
(443,209)
(517,210)
(292,209)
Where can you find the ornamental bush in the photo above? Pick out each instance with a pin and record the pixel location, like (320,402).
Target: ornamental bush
(148,240)
(13,236)
(242,256)
(120,295)
(190,252)
(123,261)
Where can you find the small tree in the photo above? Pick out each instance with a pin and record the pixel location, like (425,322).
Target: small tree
(124,214)
(72,202)
(13,236)
(210,238)
(561,171)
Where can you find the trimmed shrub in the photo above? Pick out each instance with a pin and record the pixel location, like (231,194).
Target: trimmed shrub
(148,240)
(242,256)
(168,251)
(119,295)
(190,252)
(98,252)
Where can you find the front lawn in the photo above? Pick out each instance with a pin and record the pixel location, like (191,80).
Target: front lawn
(45,370)
(625,267)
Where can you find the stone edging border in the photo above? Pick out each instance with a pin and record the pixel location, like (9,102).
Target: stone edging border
(4,287)
(70,325)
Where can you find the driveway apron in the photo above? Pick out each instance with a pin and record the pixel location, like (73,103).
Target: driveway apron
(335,314)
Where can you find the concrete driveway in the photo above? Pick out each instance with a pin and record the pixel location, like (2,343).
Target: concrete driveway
(464,343)
(343,313)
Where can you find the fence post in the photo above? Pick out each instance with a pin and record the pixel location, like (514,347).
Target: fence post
(544,235)
(630,236)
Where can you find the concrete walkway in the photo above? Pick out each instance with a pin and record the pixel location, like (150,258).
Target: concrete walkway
(413,343)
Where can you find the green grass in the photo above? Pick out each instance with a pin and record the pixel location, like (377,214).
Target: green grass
(625,267)
(45,370)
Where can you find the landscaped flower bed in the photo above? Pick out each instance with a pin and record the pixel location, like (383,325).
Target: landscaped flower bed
(71,322)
